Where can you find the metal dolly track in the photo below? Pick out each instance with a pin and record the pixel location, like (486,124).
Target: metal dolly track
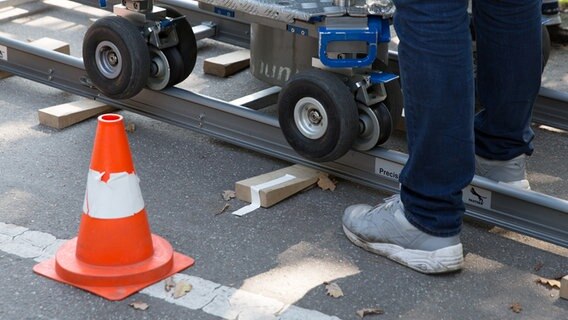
(530,213)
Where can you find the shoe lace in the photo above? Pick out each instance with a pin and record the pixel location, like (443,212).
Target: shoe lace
(390,204)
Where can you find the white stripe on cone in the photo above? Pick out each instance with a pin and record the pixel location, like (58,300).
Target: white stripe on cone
(119,197)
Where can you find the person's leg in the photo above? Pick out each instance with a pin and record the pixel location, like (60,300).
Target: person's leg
(551,18)
(508,76)
(436,69)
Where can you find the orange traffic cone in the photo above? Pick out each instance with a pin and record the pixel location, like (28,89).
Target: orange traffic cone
(115,254)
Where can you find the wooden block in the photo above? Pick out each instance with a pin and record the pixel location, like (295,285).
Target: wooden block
(64,115)
(304,177)
(564,287)
(227,64)
(4,75)
(48,44)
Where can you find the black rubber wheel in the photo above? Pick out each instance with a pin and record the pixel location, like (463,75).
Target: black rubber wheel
(174,59)
(385,122)
(187,45)
(545,46)
(394,104)
(116,57)
(375,126)
(163,70)
(318,115)
(394,92)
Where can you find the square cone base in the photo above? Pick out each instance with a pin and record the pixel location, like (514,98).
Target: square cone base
(47,268)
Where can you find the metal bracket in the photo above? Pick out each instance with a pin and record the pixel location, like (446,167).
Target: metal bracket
(157,28)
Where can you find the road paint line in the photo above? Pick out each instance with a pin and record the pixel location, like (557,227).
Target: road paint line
(210,297)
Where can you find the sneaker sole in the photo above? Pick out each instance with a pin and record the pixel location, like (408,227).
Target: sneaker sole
(443,260)
(520,184)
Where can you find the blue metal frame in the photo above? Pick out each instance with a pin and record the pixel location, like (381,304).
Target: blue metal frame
(376,32)
(382,77)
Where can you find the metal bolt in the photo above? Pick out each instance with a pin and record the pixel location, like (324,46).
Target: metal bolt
(314,116)
(113,59)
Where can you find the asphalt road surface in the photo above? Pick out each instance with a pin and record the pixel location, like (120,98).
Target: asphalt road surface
(269,264)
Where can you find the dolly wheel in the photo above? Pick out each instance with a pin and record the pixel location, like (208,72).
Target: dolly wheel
(116,57)
(545,46)
(187,46)
(318,115)
(163,72)
(375,126)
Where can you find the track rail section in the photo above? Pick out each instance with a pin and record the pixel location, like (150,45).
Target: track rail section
(530,213)
(551,108)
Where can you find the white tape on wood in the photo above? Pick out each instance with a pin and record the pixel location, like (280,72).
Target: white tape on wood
(255,193)
(119,197)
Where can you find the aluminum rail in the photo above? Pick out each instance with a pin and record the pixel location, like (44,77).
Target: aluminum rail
(551,108)
(530,213)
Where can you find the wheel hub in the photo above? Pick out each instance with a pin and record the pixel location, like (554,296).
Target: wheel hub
(314,116)
(108,59)
(375,125)
(369,129)
(113,59)
(310,118)
(159,70)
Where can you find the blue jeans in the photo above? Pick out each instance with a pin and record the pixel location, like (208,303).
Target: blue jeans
(436,69)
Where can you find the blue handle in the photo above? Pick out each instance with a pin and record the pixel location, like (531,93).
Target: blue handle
(102,3)
(377,31)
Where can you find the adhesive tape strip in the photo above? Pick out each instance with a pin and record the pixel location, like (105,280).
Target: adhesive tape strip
(255,193)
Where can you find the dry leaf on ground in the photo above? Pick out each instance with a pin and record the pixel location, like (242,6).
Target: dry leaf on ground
(369,311)
(138,305)
(181,289)
(550,283)
(228,195)
(131,127)
(169,284)
(516,307)
(332,289)
(325,183)
(225,207)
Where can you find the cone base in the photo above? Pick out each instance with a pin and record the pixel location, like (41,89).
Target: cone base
(113,282)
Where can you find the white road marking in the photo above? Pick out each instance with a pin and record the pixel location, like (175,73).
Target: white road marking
(210,297)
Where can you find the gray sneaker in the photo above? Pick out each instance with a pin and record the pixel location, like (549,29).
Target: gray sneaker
(384,230)
(512,172)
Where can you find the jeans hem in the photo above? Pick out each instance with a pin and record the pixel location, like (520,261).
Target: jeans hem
(418,226)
